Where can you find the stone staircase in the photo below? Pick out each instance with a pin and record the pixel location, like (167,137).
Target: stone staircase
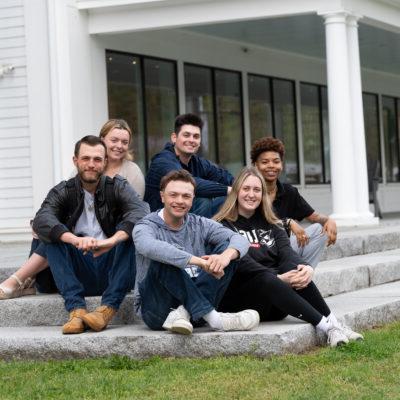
(360,278)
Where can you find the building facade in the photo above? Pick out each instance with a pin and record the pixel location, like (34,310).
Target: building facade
(324,76)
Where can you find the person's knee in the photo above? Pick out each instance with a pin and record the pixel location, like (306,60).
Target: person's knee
(315,231)
(152,320)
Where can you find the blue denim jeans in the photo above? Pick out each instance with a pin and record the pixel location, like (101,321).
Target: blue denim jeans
(44,279)
(77,275)
(166,287)
(207,206)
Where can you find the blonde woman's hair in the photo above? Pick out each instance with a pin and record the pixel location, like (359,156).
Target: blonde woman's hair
(117,124)
(229,210)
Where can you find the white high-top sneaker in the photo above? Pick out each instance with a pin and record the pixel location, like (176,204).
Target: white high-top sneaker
(178,321)
(241,321)
(350,334)
(336,336)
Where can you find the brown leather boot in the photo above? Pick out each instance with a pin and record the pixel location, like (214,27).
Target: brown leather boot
(75,323)
(99,318)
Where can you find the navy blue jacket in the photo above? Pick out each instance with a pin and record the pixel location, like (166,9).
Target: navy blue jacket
(211,180)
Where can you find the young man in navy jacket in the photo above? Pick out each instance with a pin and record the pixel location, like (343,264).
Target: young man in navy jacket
(213,183)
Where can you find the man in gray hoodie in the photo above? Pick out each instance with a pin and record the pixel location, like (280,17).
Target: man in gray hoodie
(184,263)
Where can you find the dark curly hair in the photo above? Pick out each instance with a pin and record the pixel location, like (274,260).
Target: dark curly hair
(266,144)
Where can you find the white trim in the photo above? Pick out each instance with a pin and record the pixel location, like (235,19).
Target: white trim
(40,112)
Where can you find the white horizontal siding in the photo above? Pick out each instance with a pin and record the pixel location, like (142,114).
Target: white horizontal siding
(12,22)
(13,92)
(18,202)
(15,162)
(12,112)
(10,123)
(16,101)
(16,194)
(10,3)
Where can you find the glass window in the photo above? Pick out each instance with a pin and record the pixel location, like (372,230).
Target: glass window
(199,101)
(124,84)
(161,102)
(391,138)
(143,91)
(228,98)
(285,125)
(260,108)
(311,127)
(372,143)
(325,133)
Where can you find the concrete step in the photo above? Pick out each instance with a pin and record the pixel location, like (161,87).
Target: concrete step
(362,309)
(332,277)
(49,310)
(358,241)
(352,273)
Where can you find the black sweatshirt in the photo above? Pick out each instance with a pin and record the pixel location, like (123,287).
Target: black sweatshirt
(269,246)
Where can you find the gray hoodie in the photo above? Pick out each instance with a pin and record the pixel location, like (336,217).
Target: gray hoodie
(154,240)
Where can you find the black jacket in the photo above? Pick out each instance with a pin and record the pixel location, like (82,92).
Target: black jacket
(117,208)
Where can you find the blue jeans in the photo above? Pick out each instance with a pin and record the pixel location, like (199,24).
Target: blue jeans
(44,279)
(207,206)
(166,287)
(311,253)
(77,275)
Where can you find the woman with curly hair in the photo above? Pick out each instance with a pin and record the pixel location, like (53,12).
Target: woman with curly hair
(267,155)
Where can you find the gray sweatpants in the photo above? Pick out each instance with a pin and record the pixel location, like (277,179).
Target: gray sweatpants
(311,253)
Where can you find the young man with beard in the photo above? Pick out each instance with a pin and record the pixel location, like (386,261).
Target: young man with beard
(86,223)
(184,264)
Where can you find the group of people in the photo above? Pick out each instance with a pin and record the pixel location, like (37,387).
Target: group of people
(196,245)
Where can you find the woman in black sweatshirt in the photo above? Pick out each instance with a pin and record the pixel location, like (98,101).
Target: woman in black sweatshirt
(272,278)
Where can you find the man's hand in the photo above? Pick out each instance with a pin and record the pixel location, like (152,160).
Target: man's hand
(103,246)
(85,243)
(203,264)
(330,230)
(301,235)
(88,243)
(303,277)
(215,263)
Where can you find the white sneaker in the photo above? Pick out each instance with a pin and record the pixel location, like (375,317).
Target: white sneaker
(336,337)
(178,321)
(241,321)
(350,334)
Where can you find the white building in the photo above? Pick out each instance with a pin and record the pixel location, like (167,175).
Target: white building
(250,68)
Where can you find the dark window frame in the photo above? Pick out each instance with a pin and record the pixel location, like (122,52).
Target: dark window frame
(319,87)
(141,58)
(378,118)
(397,132)
(271,79)
(214,101)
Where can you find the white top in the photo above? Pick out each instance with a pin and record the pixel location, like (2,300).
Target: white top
(134,175)
(87,224)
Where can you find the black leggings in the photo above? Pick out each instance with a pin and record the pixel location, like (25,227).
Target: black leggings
(273,298)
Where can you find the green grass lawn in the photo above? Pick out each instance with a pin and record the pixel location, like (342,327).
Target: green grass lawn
(362,370)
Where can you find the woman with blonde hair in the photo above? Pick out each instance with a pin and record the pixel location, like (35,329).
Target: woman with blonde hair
(272,278)
(117,136)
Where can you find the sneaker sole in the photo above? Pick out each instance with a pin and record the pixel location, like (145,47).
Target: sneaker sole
(182,327)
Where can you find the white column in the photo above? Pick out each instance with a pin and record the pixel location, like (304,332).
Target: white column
(360,153)
(345,189)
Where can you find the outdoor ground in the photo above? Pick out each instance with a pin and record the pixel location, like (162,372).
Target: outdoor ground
(363,370)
